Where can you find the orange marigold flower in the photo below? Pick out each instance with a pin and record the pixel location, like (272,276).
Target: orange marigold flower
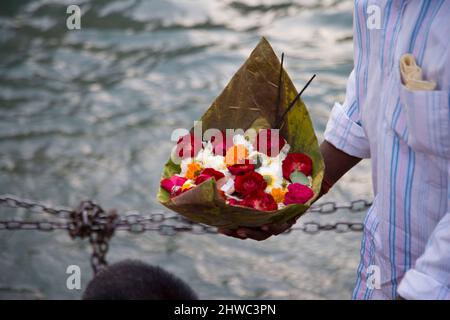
(193,170)
(236,155)
(278,194)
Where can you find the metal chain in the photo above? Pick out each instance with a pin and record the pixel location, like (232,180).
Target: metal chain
(339,227)
(171,230)
(44,225)
(14,202)
(322,208)
(331,207)
(163,223)
(91,221)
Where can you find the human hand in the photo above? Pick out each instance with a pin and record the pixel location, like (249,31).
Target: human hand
(337,163)
(258,234)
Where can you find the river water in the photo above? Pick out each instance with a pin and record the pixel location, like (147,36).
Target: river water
(87,114)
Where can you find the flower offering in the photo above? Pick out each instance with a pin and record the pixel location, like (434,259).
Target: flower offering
(252,159)
(259,174)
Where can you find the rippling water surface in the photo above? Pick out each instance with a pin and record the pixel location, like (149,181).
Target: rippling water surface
(89,113)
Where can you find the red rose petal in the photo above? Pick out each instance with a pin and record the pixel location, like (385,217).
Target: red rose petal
(239,169)
(297,193)
(173,184)
(202,178)
(249,182)
(209,173)
(260,200)
(296,161)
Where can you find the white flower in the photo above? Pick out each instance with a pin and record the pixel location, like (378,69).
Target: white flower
(273,175)
(275,163)
(208,160)
(267,161)
(240,139)
(284,151)
(253,156)
(228,187)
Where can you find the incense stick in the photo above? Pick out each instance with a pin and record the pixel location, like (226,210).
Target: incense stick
(280,84)
(291,105)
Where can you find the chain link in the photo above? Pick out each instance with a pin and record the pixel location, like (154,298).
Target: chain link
(92,222)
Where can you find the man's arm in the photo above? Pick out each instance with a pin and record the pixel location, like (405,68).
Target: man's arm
(344,146)
(337,163)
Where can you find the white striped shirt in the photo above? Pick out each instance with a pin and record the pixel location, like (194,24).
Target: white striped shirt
(407,136)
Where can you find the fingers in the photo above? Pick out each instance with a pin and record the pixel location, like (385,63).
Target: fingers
(257,234)
(246,233)
(230,233)
(253,233)
(276,229)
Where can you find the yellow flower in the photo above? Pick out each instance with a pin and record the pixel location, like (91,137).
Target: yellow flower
(187,185)
(193,170)
(278,194)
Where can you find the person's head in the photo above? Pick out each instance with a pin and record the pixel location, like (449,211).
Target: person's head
(135,280)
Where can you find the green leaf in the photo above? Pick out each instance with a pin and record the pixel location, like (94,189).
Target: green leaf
(299,177)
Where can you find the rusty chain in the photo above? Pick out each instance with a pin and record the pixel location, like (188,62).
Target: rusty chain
(90,221)
(14,202)
(136,222)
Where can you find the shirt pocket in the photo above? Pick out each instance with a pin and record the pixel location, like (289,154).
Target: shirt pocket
(427,120)
(421,119)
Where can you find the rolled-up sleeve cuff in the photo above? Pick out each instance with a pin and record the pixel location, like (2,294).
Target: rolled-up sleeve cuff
(419,286)
(345,134)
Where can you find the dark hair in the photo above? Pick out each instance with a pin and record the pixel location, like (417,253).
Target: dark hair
(135,280)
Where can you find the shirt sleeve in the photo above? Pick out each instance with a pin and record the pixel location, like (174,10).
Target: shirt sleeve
(344,129)
(430,277)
